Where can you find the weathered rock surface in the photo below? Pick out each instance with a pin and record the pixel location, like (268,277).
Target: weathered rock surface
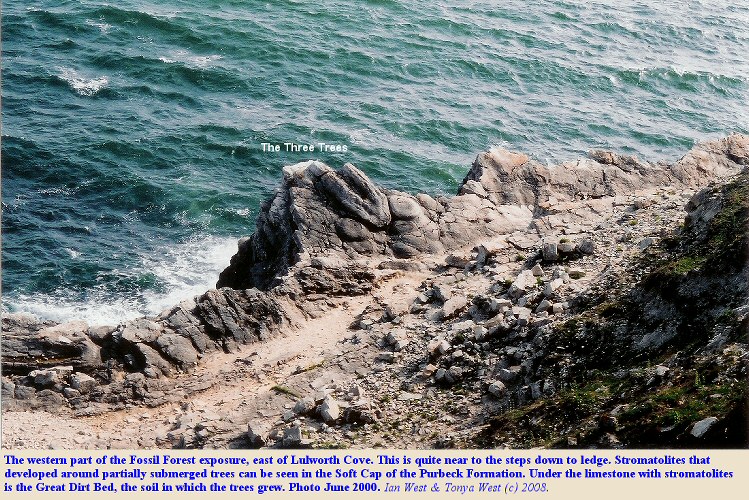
(28,345)
(501,319)
(514,179)
(319,212)
(93,358)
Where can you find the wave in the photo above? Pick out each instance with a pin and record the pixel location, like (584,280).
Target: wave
(164,24)
(104,28)
(179,272)
(190,60)
(83,86)
(682,78)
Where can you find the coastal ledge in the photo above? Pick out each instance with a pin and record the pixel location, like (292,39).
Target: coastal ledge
(321,212)
(326,237)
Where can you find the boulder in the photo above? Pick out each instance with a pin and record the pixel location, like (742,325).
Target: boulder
(257,434)
(454,306)
(586,246)
(552,286)
(304,406)
(82,383)
(550,252)
(497,389)
(292,437)
(329,410)
(178,349)
(39,346)
(702,427)
(522,284)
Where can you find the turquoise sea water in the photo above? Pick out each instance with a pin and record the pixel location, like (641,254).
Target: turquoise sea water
(132,130)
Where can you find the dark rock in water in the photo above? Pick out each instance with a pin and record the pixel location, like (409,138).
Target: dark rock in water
(321,212)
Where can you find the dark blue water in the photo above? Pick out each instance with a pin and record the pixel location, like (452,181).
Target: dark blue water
(131,157)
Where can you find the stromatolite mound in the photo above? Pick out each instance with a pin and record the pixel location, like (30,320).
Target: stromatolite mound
(321,212)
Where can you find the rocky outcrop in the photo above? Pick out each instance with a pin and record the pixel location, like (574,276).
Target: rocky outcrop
(318,211)
(153,348)
(29,345)
(538,277)
(505,177)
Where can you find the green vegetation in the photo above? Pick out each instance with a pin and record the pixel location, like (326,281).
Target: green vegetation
(285,390)
(642,415)
(667,306)
(331,445)
(687,264)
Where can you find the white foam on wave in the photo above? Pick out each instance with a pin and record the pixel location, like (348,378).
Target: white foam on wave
(61,309)
(83,86)
(183,271)
(190,60)
(187,270)
(103,27)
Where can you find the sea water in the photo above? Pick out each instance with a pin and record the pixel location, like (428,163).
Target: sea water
(132,131)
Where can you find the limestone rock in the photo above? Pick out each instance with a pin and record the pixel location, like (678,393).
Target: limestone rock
(509,374)
(701,428)
(497,389)
(438,346)
(544,305)
(552,286)
(292,437)
(454,306)
(522,284)
(82,383)
(45,378)
(257,434)
(140,330)
(178,349)
(329,410)
(304,406)
(27,346)
(397,338)
(586,246)
(550,251)
(150,358)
